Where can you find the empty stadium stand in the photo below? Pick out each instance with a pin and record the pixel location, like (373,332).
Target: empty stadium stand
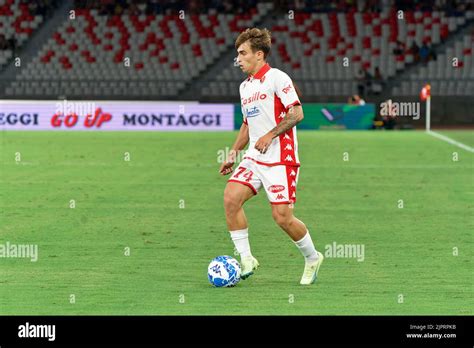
(312,48)
(18,20)
(451,74)
(155,53)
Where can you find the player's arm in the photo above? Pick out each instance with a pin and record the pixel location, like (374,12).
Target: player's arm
(292,118)
(239,144)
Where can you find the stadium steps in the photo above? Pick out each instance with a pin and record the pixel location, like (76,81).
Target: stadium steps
(75,61)
(316,51)
(28,52)
(414,68)
(194,89)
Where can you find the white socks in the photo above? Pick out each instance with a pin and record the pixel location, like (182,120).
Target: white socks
(305,244)
(241,242)
(307,248)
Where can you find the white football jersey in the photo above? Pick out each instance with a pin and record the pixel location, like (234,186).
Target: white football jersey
(265,100)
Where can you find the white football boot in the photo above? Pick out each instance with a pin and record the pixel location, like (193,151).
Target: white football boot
(311,269)
(249,264)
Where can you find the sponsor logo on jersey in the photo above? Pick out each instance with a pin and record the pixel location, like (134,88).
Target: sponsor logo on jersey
(252,112)
(280,196)
(287,89)
(254,97)
(288,147)
(276,188)
(293,173)
(289,158)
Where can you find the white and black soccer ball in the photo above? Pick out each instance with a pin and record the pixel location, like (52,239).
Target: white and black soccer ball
(224,271)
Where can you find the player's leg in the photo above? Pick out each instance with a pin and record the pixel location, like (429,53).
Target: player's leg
(280,186)
(235,195)
(283,216)
(296,229)
(242,186)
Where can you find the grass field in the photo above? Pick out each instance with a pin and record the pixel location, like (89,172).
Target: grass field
(138,204)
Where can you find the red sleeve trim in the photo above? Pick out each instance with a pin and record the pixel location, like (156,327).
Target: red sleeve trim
(296,102)
(245,121)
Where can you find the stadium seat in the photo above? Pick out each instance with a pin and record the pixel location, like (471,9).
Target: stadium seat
(156,55)
(313,46)
(449,76)
(17,24)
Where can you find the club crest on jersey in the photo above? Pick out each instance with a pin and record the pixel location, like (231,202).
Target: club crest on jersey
(254,97)
(276,188)
(252,112)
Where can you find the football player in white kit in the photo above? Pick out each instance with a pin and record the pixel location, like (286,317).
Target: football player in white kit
(271,109)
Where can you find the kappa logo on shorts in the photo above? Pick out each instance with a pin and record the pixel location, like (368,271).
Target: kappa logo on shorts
(280,196)
(276,188)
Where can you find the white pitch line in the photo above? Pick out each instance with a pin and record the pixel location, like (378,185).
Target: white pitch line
(451,141)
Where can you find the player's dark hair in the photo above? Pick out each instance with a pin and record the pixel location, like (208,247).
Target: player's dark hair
(259,39)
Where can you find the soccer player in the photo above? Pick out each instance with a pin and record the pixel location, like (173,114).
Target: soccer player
(271,109)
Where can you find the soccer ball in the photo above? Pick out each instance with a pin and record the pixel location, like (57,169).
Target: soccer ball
(224,271)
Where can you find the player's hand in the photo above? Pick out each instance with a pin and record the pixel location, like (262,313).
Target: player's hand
(226,168)
(264,143)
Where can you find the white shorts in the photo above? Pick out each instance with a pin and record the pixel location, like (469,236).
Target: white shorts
(278,181)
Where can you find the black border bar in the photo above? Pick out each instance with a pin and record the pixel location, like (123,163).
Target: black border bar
(210,330)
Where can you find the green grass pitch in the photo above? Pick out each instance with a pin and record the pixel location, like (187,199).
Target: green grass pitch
(165,205)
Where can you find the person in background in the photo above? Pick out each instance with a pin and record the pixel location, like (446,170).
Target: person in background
(425,52)
(378,81)
(356,100)
(415,50)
